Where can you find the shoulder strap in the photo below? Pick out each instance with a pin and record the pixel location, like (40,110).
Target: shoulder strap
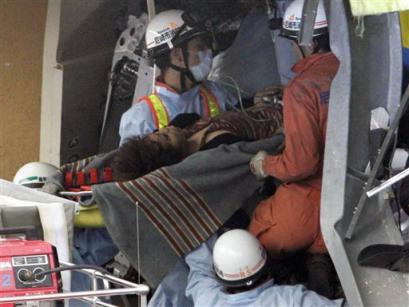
(210,102)
(158,110)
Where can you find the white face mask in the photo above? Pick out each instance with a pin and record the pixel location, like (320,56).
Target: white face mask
(202,70)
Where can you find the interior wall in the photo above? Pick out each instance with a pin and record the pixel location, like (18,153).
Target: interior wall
(80,38)
(22,24)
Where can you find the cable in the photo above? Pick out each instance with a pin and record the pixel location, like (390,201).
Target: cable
(239,98)
(233,86)
(72,268)
(138,244)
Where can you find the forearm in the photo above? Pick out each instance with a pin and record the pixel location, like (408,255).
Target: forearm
(289,170)
(301,156)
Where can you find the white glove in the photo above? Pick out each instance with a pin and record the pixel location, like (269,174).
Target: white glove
(256,165)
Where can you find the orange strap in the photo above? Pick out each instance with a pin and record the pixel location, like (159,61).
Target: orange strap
(80,178)
(68,179)
(210,103)
(93,176)
(107,174)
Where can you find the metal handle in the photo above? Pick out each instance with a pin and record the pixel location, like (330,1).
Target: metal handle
(388,183)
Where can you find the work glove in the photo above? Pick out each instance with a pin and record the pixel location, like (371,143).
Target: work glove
(256,165)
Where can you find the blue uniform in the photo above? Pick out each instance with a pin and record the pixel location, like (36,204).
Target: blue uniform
(205,290)
(171,291)
(139,120)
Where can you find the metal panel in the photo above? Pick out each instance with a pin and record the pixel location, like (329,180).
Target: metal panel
(75,89)
(369,77)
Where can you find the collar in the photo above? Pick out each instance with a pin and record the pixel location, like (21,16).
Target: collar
(307,62)
(165,90)
(159,84)
(249,294)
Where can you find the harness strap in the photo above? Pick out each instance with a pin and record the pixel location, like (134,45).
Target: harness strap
(158,110)
(210,102)
(93,176)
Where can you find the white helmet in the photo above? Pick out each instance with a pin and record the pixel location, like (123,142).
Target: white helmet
(292,20)
(34,174)
(239,259)
(161,31)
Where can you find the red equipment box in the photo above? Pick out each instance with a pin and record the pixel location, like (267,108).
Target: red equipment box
(20,261)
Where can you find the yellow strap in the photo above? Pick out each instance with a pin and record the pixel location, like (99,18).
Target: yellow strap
(404,26)
(160,113)
(211,103)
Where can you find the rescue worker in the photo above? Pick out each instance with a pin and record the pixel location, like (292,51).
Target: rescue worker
(185,60)
(290,219)
(241,276)
(34,174)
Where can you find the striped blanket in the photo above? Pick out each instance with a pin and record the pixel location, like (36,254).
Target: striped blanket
(162,216)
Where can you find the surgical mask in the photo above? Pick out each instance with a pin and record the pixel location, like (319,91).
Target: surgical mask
(202,70)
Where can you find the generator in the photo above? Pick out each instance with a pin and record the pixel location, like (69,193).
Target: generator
(25,266)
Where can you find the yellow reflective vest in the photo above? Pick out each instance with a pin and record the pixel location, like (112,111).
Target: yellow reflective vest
(161,116)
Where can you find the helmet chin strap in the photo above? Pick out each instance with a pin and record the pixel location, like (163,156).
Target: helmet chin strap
(301,50)
(184,72)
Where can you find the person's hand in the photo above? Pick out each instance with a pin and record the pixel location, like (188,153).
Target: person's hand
(268,95)
(256,165)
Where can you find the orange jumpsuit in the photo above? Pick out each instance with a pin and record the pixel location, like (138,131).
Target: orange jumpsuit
(290,219)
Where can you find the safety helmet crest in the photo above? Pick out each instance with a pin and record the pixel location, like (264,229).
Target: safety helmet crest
(167,30)
(292,20)
(239,259)
(34,174)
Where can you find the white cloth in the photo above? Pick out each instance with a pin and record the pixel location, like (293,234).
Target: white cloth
(205,290)
(399,160)
(56,215)
(138,120)
(379,119)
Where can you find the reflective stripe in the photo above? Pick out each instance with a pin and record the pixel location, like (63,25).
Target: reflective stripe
(211,105)
(159,113)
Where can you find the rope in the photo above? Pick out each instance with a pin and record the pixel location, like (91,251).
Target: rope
(138,241)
